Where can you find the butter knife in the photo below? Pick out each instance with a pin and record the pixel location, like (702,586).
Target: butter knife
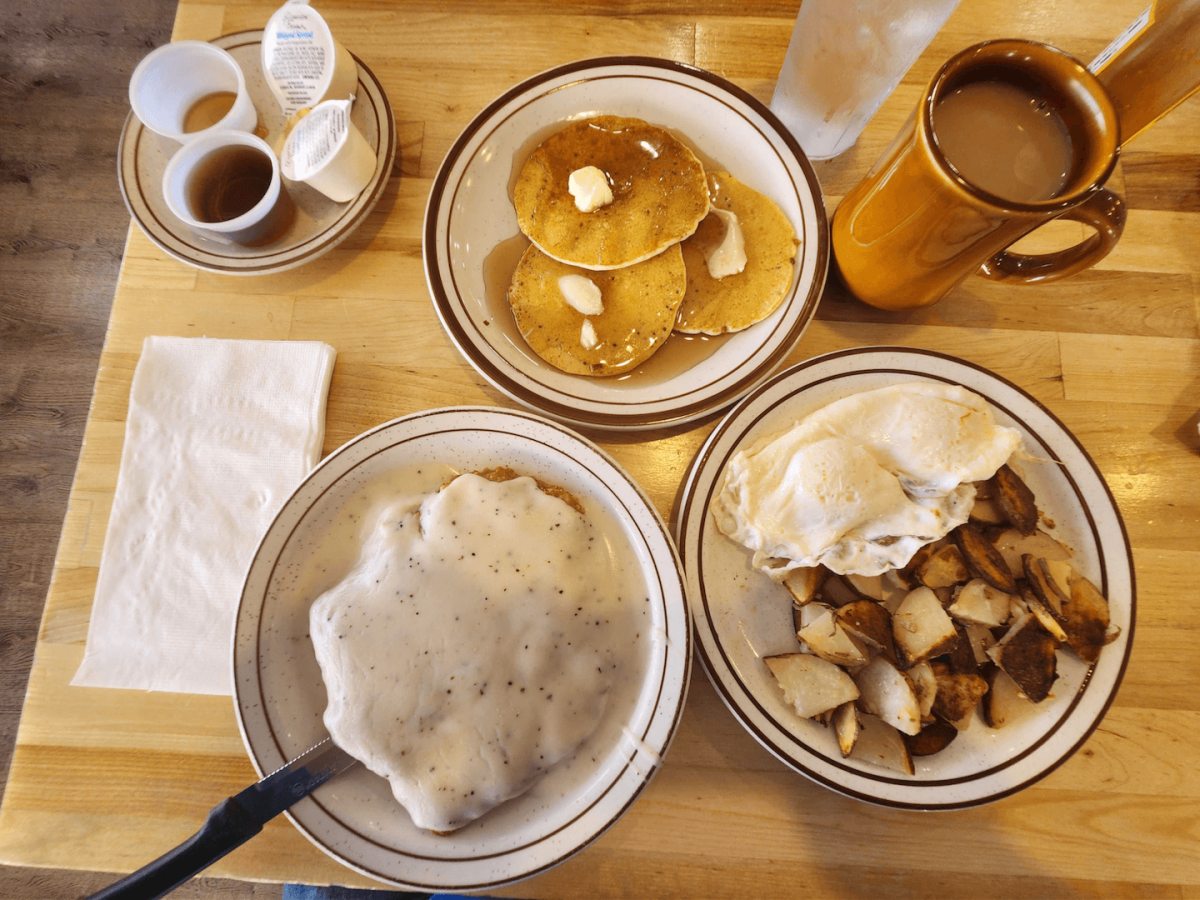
(232,822)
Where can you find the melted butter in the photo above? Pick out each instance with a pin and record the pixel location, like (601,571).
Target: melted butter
(474,639)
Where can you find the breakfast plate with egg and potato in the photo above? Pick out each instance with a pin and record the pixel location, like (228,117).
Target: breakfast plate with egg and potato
(909,581)
(487,612)
(625,243)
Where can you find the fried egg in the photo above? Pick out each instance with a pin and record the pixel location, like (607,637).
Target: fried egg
(863,483)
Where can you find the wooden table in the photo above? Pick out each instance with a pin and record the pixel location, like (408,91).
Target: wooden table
(107,779)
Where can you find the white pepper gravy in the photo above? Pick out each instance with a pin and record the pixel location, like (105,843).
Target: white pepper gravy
(485,634)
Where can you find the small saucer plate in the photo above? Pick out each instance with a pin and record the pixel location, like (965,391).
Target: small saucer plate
(320,224)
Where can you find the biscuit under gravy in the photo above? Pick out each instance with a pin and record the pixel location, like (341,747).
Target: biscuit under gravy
(640,303)
(734,302)
(659,194)
(477,643)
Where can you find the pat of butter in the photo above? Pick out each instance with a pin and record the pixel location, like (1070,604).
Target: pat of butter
(589,187)
(582,294)
(729,257)
(587,336)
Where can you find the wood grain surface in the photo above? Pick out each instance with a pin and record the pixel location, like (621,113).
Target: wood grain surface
(105,780)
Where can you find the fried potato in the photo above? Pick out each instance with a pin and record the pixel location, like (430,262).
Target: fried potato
(921,628)
(1086,619)
(1016,499)
(983,559)
(885,692)
(933,738)
(1012,545)
(810,684)
(881,744)
(1026,653)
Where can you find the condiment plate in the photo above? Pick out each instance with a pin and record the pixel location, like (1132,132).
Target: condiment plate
(280,697)
(320,224)
(741,616)
(471,241)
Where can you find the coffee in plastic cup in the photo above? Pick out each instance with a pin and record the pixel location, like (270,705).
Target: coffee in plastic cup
(187,89)
(227,186)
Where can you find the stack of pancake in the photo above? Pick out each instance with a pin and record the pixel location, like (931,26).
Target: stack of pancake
(646,250)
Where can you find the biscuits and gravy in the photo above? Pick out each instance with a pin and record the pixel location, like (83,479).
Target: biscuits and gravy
(486,632)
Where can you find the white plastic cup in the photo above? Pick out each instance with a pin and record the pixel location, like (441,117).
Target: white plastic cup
(844,59)
(172,79)
(327,151)
(264,223)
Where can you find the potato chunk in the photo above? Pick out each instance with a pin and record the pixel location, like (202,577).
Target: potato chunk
(881,744)
(978,603)
(957,696)
(811,684)
(943,568)
(804,583)
(934,738)
(983,559)
(1026,653)
(1004,703)
(921,627)
(1012,545)
(1086,619)
(825,637)
(870,623)
(1016,499)
(847,726)
(886,693)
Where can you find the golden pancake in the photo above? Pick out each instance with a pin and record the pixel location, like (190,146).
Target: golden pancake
(640,302)
(715,306)
(658,188)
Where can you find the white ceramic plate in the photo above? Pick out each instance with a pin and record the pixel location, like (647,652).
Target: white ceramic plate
(471,241)
(280,697)
(741,616)
(320,224)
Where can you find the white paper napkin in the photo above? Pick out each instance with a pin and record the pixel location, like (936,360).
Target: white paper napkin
(218,435)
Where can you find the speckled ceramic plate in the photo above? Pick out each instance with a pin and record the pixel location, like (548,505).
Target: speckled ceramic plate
(280,698)
(471,241)
(320,224)
(741,616)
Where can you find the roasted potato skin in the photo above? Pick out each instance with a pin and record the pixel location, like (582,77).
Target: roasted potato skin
(933,738)
(1016,499)
(1027,654)
(983,559)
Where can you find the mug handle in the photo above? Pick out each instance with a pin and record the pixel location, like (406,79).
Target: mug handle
(1104,211)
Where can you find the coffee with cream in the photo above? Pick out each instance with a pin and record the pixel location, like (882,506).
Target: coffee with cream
(1005,140)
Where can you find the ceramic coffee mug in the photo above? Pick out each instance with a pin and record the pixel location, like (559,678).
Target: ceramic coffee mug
(962,182)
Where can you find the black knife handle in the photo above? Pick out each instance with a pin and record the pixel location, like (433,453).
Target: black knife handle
(228,826)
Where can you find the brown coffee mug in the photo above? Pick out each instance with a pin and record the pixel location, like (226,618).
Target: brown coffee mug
(938,207)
